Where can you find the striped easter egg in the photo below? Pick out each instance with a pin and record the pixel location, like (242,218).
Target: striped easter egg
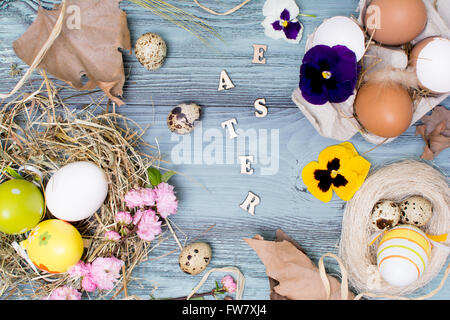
(403,255)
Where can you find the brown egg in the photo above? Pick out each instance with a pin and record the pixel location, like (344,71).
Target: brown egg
(384,109)
(395,22)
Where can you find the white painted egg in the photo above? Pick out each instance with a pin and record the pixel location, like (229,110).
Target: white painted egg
(432,62)
(76,191)
(341,31)
(403,255)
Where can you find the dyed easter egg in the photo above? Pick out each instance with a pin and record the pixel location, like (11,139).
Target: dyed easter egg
(21,206)
(403,255)
(76,191)
(54,246)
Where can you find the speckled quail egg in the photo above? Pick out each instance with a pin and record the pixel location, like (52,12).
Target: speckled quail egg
(416,210)
(181,119)
(195,257)
(385,214)
(151,51)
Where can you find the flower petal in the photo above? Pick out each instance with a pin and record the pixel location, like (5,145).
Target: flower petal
(292,30)
(346,67)
(277,26)
(269,29)
(335,152)
(346,191)
(312,184)
(312,85)
(285,15)
(275,7)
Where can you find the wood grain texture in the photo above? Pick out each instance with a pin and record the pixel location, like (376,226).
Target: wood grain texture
(191,74)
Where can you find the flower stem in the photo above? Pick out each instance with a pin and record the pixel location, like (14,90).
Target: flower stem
(213,293)
(307,15)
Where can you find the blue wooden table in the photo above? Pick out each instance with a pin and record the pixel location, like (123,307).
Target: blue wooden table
(211,186)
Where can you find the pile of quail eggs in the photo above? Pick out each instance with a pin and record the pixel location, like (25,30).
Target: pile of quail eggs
(415,210)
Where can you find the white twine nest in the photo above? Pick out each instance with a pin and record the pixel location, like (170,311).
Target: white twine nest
(396,182)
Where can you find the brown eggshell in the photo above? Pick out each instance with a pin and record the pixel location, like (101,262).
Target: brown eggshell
(396,21)
(385,110)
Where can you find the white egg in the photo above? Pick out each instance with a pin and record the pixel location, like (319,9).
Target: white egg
(76,191)
(432,62)
(341,31)
(403,255)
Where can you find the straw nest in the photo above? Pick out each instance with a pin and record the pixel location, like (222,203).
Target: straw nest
(38,130)
(395,182)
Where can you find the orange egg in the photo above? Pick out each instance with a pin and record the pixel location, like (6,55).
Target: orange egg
(395,22)
(384,109)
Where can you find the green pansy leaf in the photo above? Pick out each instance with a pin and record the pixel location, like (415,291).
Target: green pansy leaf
(167,175)
(154,176)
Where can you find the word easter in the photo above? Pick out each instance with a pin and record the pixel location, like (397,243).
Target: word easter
(225,83)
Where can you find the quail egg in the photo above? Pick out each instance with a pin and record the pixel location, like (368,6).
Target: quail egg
(385,214)
(181,119)
(195,257)
(416,210)
(151,51)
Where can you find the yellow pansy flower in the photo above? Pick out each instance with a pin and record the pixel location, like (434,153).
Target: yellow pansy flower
(339,168)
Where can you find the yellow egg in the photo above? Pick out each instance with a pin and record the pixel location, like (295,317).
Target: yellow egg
(54,246)
(403,255)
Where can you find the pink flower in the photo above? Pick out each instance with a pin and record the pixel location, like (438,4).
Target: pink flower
(65,293)
(123,218)
(112,235)
(166,201)
(133,199)
(105,272)
(79,270)
(148,196)
(148,224)
(228,284)
(88,284)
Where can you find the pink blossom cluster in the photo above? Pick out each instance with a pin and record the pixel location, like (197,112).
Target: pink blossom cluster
(101,274)
(65,293)
(228,284)
(149,204)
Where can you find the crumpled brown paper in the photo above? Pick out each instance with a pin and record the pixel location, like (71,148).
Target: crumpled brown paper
(435,132)
(88,45)
(292,275)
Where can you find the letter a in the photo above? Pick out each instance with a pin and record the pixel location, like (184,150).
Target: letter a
(225,82)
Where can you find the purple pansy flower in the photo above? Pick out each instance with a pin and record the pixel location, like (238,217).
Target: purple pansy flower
(328,74)
(290,28)
(281,20)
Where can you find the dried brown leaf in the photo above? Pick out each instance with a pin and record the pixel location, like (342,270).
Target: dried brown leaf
(435,131)
(291,273)
(92,33)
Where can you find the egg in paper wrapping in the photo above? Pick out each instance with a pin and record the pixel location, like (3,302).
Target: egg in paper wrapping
(21,206)
(431,59)
(384,109)
(342,31)
(54,246)
(403,255)
(395,22)
(76,191)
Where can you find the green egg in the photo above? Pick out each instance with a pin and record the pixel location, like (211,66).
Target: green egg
(21,206)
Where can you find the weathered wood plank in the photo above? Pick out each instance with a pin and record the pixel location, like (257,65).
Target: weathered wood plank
(191,73)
